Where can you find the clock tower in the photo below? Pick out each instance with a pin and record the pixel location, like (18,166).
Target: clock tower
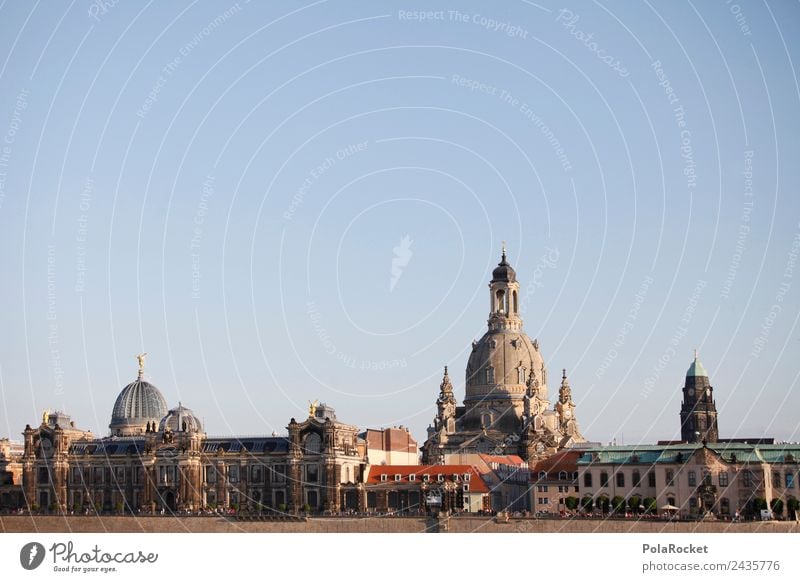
(698,409)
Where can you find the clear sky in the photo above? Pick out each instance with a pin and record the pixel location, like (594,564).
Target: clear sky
(281,202)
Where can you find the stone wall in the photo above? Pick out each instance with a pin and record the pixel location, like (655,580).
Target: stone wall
(89,524)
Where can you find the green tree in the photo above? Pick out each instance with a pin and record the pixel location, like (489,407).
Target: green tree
(571,503)
(602,503)
(777,506)
(618,503)
(792,505)
(649,504)
(634,502)
(587,503)
(759,503)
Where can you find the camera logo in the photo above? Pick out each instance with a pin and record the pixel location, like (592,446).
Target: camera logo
(31,555)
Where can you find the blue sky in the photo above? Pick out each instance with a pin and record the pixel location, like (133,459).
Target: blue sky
(285,202)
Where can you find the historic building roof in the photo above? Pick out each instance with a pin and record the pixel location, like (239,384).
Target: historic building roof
(139,402)
(696,368)
(430,474)
(180,418)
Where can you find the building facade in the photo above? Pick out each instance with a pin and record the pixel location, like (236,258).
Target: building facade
(169,463)
(506,409)
(700,476)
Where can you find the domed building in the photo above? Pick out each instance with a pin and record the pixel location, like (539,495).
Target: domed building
(506,409)
(180,419)
(139,404)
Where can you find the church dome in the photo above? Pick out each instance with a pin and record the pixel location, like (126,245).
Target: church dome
(180,419)
(501,363)
(504,272)
(139,402)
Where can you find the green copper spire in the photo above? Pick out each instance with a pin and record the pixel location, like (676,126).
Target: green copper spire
(696,369)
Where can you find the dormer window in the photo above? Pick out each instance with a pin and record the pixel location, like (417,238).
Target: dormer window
(398,477)
(383,476)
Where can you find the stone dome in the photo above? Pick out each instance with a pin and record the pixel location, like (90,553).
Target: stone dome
(175,419)
(504,272)
(500,365)
(139,402)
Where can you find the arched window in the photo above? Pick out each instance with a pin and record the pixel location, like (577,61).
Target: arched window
(500,303)
(542,475)
(489,375)
(562,475)
(313,444)
(486,420)
(520,375)
(516,303)
(451,425)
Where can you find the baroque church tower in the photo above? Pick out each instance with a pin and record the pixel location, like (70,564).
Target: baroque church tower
(698,409)
(506,410)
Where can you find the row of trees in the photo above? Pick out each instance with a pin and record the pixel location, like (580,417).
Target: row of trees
(636,505)
(619,504)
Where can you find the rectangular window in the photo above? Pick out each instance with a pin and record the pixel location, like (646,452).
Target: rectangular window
(119,474)
(789,480)
(651,479)
(620,479)
(137,474)
(747,478)
(98,475)
(233,473)
(312,473)
(76,475)
(637,478)
(541,488)
(692,479)
(412,477)
(670,477)
(279,474)
(603,479)
(256,474)
(723,478)
(211,474)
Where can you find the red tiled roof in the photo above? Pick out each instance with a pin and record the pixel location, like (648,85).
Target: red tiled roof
(476,484)
(513,460)
(563,461)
